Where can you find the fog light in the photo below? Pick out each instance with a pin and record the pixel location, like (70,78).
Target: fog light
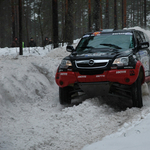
(61,83)
(127,80)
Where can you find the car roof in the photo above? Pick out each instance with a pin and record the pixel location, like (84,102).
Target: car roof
(119,31)
(109,31)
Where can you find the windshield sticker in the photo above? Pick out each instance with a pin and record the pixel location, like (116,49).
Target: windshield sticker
(127,33)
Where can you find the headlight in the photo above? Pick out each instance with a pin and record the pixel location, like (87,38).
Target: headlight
(65,64)
(123,61)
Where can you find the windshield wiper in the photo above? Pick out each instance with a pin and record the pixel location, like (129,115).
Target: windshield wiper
(86,47)
(111,45)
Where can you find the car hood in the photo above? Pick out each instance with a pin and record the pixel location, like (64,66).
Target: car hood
(101,54)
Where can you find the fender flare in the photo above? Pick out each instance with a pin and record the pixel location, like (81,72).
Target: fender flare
(140,67)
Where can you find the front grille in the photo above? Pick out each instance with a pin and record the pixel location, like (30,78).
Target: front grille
(95,65)
(91,64)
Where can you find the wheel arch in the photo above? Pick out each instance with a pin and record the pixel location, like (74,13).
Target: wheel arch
(142,74)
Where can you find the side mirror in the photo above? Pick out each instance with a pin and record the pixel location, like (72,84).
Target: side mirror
(144,45)
(70,48)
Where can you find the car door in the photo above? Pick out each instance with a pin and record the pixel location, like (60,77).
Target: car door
(143,53)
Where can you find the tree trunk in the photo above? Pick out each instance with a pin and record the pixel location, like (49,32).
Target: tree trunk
(55,23)
(134,15)
(124,13)
(69,22)
(115,15)
(101,19)
(17,19)
(145,13)
(27,29)
(13,19)
(20,26)
(40,21)
(107,15)
(89,16)
(97,15)
(63,23)
(142,16)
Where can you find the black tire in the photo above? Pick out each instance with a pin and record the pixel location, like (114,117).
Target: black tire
(65,95)
(137,93)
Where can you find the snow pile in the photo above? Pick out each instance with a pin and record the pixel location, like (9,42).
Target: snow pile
(132,137)
(31,117)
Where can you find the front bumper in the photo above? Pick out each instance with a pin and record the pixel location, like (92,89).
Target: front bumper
(122,76)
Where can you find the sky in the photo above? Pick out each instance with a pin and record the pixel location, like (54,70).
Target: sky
(31,117)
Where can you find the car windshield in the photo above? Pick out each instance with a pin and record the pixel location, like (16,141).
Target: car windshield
(121,41)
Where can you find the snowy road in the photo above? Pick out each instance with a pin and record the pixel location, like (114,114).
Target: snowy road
(31,117)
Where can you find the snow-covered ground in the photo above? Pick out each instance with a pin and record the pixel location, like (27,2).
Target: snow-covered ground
(31,117)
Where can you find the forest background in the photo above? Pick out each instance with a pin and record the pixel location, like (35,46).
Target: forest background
(66,20)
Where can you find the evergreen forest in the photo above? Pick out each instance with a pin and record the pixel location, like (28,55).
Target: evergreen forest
(66,20)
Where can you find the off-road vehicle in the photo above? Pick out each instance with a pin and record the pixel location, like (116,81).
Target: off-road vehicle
(114,62)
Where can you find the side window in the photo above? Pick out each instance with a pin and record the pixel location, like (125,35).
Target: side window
(142,36)
(138,38)
(146,37)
